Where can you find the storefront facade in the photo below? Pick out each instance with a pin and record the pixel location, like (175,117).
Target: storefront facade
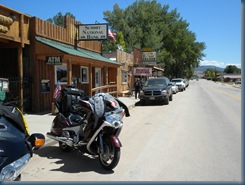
(43,53)
(14,54)
(57,57)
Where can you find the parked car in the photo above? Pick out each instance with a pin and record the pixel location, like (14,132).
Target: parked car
(156,90)
(186,81)
(180,83)
(238,81)
(175,88)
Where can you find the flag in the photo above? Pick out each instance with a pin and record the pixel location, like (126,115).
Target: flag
(111,35)
(57,92)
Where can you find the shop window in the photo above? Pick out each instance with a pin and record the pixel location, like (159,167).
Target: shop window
(84,74)
(61,73)
(124,77)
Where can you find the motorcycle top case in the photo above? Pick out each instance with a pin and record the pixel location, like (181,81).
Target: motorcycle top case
(70,97)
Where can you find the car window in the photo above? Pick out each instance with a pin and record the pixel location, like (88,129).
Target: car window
(155,82)
(176,80)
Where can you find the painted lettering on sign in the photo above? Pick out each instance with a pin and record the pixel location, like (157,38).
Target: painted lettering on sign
(93,32)
(53,60)
(143,71)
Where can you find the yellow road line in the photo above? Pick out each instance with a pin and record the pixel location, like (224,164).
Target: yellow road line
(227,94)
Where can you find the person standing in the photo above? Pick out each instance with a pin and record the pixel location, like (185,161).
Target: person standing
(137,87)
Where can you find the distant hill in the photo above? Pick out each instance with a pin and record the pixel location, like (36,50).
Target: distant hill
(204,68)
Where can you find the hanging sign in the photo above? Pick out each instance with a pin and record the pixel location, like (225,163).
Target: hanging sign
(142,71)
(93,32)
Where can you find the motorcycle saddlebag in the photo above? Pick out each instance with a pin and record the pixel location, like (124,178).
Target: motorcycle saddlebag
(70,97)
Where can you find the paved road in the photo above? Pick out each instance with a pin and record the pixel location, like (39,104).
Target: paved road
(197,137)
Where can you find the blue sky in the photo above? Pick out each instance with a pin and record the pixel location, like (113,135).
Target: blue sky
(215,22)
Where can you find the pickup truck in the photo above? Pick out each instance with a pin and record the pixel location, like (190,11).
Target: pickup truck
(156,90)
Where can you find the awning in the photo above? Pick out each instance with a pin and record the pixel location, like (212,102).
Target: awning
(77,52)
(158,69)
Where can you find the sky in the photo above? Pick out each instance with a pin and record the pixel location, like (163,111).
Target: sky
(217,23)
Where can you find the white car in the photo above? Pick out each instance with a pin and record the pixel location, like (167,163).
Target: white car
(180,83)
(175,88)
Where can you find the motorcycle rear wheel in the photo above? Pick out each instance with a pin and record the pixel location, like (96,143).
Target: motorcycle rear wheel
(64,147)
(111,156)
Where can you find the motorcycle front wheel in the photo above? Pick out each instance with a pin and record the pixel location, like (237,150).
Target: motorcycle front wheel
(110,158)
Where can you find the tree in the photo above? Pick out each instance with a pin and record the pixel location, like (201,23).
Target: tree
(148,24)
(232,69)
(211,74)
(59,19)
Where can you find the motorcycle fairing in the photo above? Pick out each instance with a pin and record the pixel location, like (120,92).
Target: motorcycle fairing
(12,142)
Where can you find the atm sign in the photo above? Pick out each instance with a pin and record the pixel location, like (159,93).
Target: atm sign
(54,60)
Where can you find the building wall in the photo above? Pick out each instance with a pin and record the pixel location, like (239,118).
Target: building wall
(65,35)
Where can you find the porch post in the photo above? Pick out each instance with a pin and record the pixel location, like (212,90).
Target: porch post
(20,66)
(69,72)
(90,86)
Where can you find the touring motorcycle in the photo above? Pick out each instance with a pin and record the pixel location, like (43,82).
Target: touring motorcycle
(89,124)
(16,144)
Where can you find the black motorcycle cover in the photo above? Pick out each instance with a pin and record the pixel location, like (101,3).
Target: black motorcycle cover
(14,114)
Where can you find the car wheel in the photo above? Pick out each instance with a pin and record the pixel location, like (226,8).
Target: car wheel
(142,102)
(166,101)
(171,97)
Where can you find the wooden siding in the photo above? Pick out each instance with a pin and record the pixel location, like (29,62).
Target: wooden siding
(67,35)
(18,30)
(127,61)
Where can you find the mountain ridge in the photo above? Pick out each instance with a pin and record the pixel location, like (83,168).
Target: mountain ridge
(204,68)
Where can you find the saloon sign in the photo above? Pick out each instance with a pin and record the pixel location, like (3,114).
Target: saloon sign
(93,32)
(142,71)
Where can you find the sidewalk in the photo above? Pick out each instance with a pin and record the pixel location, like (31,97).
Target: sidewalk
(41,123)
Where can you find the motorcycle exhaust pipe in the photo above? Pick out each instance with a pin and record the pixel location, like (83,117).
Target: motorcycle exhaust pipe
(65,140)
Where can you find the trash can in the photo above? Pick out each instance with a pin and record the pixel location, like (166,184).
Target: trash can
(4,87)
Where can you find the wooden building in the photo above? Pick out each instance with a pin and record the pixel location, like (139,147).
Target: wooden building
(43,53)
(124,78)
(58,56)
(14,53)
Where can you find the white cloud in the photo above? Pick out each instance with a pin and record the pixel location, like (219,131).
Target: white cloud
(212,62)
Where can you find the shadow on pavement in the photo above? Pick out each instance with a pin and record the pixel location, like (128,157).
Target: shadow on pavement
(72,162)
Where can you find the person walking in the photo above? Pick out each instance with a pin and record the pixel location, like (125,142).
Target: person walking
(137,87)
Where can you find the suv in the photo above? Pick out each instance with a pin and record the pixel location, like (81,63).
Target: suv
(156,90)
(180,82)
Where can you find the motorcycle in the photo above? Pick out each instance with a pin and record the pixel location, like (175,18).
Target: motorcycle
(16,144)
(89,124)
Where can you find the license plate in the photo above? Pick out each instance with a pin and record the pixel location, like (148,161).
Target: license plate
(152,98)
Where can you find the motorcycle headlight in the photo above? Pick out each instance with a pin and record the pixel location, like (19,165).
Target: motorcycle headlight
(13,170)
(115,119)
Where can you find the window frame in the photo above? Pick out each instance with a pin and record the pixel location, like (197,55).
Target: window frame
(81,74)
(55,73)
(124,76)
